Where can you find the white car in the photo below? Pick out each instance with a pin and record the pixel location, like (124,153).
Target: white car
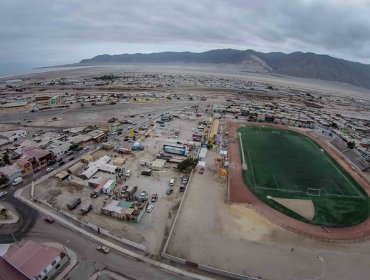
(49,169)
(150,208)
(86,148)
(3,194)
(103,249)
(128,173)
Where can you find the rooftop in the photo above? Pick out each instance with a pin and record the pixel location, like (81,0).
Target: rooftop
(32,258)
(8,170)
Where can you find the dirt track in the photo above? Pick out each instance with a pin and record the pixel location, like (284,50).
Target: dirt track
(239,193)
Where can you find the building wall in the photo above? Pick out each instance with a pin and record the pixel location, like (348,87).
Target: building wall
(15,175)
(25,168)
(17,135)
(54,269)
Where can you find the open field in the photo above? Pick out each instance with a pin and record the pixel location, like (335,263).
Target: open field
(289,165)
(234,237)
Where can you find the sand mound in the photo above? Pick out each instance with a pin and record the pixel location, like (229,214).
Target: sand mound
(303,207)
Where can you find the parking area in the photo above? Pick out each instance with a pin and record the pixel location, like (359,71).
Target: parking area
(151,228)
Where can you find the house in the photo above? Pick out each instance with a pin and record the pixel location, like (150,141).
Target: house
(37,157)
(24,166)
(124,210)
(73,131)
(98,135)
(62,175)
(11,172)
(31,261)
(13,135)
(59,151)
(45,100)
(99,165)
(4,142)
(80,139)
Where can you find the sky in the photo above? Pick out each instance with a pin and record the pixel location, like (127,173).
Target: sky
(50,32)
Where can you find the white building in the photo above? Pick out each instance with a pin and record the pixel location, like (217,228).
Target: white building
(13,135)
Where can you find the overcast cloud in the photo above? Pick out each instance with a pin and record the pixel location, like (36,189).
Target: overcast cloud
(46,32)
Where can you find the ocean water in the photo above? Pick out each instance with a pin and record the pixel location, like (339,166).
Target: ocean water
(16,69)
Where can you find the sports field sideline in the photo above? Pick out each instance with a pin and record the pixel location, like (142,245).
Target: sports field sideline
(286,164)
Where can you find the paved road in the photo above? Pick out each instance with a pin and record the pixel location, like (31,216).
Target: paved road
(89,258)
(27,215)
(11,118)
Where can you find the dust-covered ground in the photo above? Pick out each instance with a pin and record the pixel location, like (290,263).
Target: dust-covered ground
(153,228)
(234,237)
(224,70)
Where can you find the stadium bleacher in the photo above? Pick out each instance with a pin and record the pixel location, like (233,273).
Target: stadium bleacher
(352,155)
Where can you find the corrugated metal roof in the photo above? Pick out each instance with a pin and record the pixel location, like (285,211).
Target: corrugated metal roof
(31,258)
(8,170)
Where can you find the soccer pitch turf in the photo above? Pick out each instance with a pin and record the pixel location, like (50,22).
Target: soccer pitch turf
(286,164)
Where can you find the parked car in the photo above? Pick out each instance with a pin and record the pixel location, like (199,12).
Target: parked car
(61,163)
(2,194)
(17,181)
(71,158)
(169,190)
(49,220)
(143,196)
(146,172)
(150,208)
(154,197)
(128,173)
(184,179)
(103,249)
(182,187)
(49,169)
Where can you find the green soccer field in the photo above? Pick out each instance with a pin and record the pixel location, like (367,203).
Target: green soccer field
(284,164)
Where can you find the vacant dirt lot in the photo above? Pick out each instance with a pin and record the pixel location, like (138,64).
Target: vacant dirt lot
(233,237)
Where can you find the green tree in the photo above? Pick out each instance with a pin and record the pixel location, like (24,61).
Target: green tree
(3,180)
(4,213)
(351,144)
(187,163)
(6,159)
(73,147)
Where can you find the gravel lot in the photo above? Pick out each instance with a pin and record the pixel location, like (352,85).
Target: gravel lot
(234,237)
(154,226)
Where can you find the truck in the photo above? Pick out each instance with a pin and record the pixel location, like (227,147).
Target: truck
(164,156)
(177,150)
(73,203)
(125,151)
(146,172)
(85,208)
(131,189)
(176,159)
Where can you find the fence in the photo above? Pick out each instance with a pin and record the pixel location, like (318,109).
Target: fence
(96,228)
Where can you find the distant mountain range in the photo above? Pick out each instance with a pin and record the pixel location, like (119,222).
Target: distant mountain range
(297,64)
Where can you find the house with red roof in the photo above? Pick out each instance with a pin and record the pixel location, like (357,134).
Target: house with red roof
(31,261)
